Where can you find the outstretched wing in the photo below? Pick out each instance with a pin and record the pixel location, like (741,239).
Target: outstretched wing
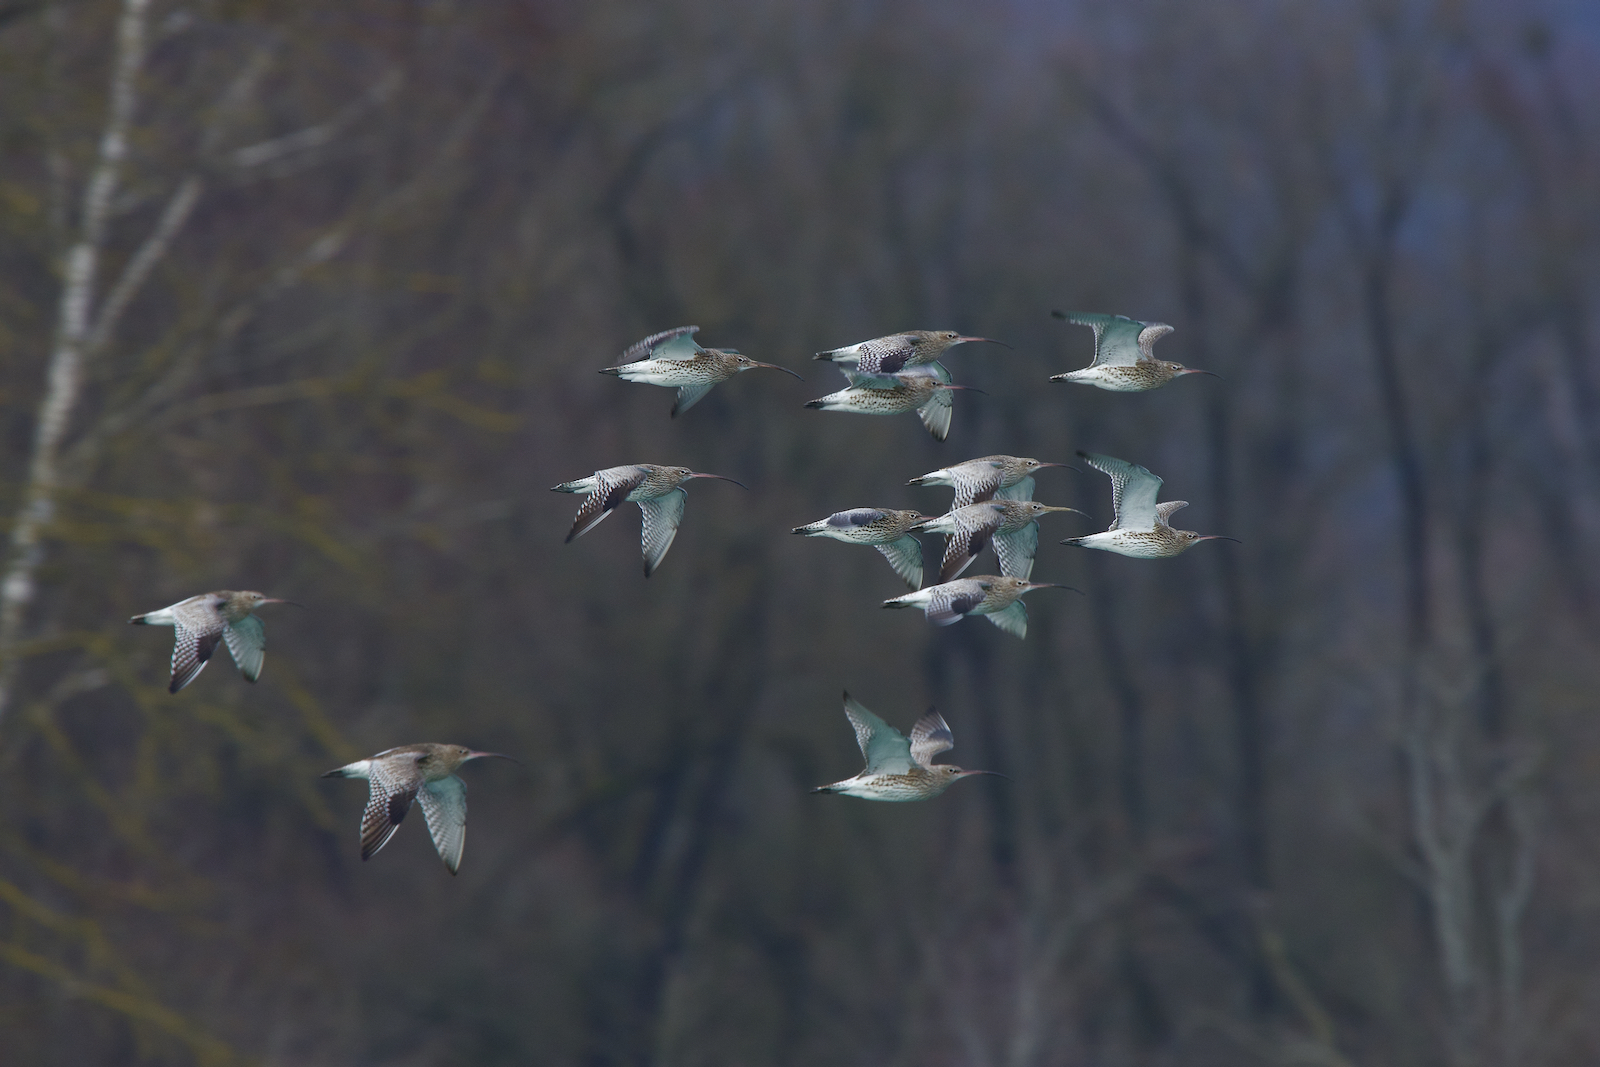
(388,799)
(661,517)
(677,343)
(929,737)
(905,556)
(970,537)
(689,396)
(612,487)
(1023,490)
(1013,620)
(885,355)
(885,749)
(1133,491)
(1116,338)
(1016,550)
(1149,335)
(444,804)
(247,643)
(936,412)
(192,648)
(953,600)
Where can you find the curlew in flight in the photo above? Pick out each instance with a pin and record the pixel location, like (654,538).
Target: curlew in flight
(997,596)
(202,622)
(1124,354)
(1139,525)
(672,358)
(885,529)
(425,773)
(656,489)
(899,769)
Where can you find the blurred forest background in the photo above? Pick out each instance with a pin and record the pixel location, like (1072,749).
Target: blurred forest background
(309,298)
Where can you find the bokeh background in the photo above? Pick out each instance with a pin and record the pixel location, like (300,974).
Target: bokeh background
(336,279)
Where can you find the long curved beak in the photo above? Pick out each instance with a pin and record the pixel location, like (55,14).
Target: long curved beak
(280,600)
(492,755)
(1054,585)
(1069,466)
(1075,511)
(969,388)
(990,340)
(774,366)
(1219,537)
(1197,370)
(997,774)
(720,478)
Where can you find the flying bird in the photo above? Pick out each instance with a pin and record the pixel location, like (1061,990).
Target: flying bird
(925,390)
(1007,477)
(997,596)
(1011,526)
(653,487)
(897,351)
(885,529)
(1139,525)
(202,622)
(1124,354)
(425,773)
(899,769)
(674,359)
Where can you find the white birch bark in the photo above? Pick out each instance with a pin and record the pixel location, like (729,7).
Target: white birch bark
(73,333)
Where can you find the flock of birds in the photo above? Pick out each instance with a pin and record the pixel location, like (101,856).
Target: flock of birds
(993,508)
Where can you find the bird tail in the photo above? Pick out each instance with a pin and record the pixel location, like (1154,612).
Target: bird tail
(137,620)
(811,528)
(582,485)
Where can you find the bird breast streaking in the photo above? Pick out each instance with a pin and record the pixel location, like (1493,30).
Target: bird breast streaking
(205,621)
(997,596)
(899,769)
(925,390)
(977,480)
(1124,354)
(426,773)
(672,358)
(897,351)
(1139,525)
(1011,526)
(887,530)
(656,489)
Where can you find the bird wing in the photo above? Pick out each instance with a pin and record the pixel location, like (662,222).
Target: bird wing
(676,343)
(612,487)
(1013,620)
(1149,335)
(247,643)
(870,381)
(952,600)
(1164,511)
(661,517)
(689,396)
(905,556)
(1016,550)
(389,797)
(938,408)
(885,749)
(885,355)
(197,630)
(973,530)
(1133,491)
(929,737)
(1023,490)
(854,518)
(1116,338)
(444,805)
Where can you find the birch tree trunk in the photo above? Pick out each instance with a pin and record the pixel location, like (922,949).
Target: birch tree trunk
(74,329)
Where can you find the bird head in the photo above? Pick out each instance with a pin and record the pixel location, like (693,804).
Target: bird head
(1176,369)
(250,600)
(1034,508)
(939,340)
(950,772)
(1190,537)
(745,363)
(444,759)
